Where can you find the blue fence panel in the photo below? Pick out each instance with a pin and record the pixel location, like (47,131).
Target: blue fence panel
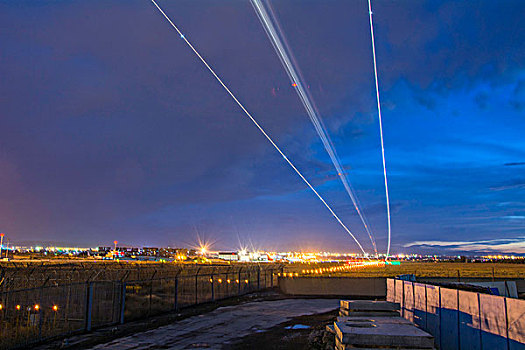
(469,325)
(449,319)
(493,322)
(408,307)
(420,305)
(516,323)
(433,325)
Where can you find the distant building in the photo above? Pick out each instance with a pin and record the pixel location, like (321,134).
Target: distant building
(229,256)
(151,251)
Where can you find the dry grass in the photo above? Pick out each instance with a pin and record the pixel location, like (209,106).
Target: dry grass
(420,269)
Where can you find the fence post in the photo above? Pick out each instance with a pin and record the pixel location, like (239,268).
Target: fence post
(176,293)
(239,279)
(212,288)
(40,316)
(258,277)
(122,301)
(196,285)
(89,305)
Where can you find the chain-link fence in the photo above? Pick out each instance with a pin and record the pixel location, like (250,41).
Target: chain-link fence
(32,315)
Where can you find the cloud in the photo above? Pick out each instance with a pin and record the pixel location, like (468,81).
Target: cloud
(514,164)
(513,245)
(510,185)
(514,217)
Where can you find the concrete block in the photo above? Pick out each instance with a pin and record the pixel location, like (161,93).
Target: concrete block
(374,287)
(399,292)
(469,325)
(420,305)
(380,319)
(516,319)
(368,305)
(341,346)
(408,304)
(390,290)
(344,312)
(370,334)
(449,319)
(433,325)
(493,322)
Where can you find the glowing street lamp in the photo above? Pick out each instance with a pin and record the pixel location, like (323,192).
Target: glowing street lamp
(115,243)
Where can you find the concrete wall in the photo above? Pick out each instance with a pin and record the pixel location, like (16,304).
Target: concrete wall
(336,286)
(462,320)
(374,287)
(520,283)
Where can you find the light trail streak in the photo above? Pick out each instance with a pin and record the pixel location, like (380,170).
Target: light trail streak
(380,125)
(286,57)
(257,125)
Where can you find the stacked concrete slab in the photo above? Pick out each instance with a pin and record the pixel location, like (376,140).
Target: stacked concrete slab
(368,308)
(377,325)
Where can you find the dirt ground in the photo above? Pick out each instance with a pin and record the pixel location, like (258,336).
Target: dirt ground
(291,335)
(420,269)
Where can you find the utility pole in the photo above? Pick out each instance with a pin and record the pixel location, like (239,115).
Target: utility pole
(1,243)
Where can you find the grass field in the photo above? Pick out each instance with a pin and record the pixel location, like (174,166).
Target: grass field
(420,269)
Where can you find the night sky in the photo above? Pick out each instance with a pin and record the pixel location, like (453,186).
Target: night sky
(110,127)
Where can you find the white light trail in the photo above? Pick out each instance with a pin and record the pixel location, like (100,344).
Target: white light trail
(285,55)
(257,125)
(380,124)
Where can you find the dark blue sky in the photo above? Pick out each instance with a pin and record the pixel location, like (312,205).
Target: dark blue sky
(111,129)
